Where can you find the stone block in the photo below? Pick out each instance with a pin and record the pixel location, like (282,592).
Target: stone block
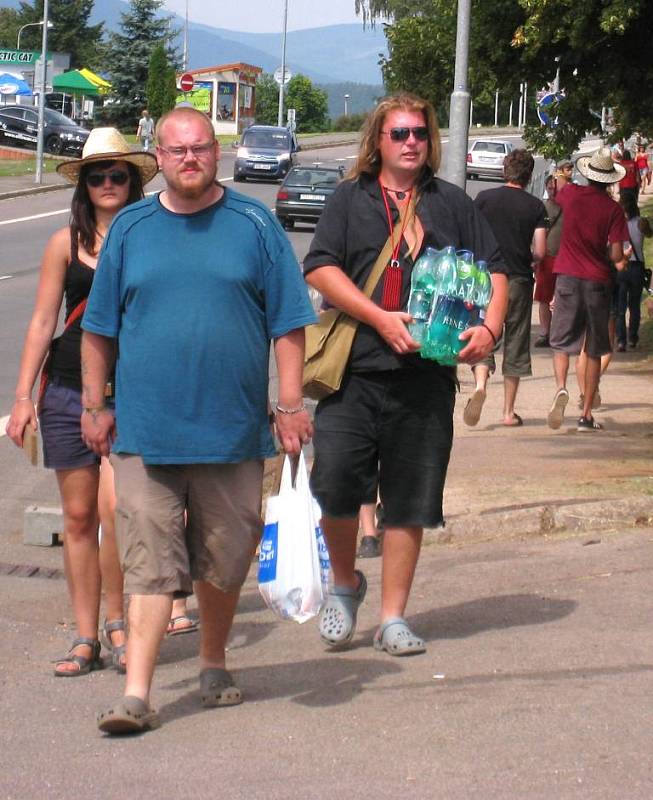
(42,526)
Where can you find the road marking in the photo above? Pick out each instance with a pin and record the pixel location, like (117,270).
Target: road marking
(5,277)
(3,425)
(35,216)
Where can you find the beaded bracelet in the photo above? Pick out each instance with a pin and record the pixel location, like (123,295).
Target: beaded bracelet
(494,338)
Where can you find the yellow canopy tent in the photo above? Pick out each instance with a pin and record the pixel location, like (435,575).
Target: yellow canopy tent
(104,87)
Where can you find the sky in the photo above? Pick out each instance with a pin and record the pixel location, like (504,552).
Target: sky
(266,16)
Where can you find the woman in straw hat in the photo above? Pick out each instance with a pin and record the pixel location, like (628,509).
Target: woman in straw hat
(107,178)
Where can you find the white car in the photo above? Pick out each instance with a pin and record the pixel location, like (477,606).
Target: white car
(485,158)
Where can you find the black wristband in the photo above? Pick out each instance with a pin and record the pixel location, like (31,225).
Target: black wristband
(494,338)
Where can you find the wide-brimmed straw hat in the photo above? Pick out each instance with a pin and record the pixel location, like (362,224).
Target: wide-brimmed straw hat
(108,144)
(600,167)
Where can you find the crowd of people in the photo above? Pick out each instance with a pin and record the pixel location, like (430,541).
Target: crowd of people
(155,412)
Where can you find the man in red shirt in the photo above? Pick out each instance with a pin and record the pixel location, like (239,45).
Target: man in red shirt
(629,184)
(592,237)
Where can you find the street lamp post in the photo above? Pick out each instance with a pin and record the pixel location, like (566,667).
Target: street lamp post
(346,105)
(459,108)
(282,85)
(38,177)
(556,81)
(185,56)
(29,25)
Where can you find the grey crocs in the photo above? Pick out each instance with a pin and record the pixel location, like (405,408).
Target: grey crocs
(129,715)
(396,638)
(217,688)
(338,617)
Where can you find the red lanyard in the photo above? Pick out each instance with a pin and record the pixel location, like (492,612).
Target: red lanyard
(392,280)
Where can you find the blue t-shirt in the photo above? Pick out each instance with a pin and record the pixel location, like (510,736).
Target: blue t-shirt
(194,300)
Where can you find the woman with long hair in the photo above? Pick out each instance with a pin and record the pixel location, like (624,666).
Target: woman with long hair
(107,178)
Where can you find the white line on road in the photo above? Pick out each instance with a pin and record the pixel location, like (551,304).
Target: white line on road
(35,216)
(3,425)
(5,277)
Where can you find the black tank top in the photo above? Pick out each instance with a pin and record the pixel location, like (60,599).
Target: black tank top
(65,363)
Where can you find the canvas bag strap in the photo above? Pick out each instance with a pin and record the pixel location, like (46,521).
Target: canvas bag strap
(386,254)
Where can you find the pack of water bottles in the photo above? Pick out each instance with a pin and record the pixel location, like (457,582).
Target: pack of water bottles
(449,293)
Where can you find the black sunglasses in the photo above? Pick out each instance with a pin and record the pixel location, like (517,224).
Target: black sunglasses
(421,133)
(96,179)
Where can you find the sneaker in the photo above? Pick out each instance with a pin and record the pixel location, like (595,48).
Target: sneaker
(557,410)
(541,341)
(586,424)
(632,344)
(370,547)
(596,401)
(621,347)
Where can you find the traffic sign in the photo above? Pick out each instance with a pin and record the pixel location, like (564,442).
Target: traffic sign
(186,82)
(544,108)
(286,78)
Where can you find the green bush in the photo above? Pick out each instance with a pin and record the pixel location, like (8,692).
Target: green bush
(349,122)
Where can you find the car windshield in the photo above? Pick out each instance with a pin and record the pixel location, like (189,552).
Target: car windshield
(266,139)
(312,177)
(57,118)
(490,147)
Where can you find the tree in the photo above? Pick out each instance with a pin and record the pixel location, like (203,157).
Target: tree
(310,104)
(267,99)
(10,22)
(143,28)
(70,32)
(602,47)
(161,83)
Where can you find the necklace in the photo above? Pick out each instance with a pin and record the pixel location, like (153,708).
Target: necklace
(399,193)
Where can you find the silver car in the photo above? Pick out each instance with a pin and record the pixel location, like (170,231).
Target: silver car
(485,158)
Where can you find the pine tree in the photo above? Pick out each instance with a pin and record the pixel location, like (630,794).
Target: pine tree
(143,28)
(161,88)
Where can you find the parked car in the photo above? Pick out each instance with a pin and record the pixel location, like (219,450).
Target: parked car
(265,151)
(304,192)
(485,158)
(19,127)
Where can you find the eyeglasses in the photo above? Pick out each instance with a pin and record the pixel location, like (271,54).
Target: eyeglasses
(421,133)
(117,178)
(196,150)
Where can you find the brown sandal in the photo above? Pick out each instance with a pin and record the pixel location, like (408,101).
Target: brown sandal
(84,665)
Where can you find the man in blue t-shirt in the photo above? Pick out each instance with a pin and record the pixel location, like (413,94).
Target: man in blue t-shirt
(191,286)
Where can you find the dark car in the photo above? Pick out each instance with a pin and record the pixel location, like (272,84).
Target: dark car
(19,127)
(265,151)
(303,194)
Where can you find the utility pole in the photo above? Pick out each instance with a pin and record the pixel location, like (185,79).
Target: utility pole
(282,85)
(456,170)
(496,108)
(38,176)
(185,57)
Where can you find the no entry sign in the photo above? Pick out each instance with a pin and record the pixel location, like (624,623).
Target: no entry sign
(186,82)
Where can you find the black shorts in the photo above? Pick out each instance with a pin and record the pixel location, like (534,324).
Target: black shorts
(581,311)
(395,425)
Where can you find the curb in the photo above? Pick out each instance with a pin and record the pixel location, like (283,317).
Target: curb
(544,519)
(50,187)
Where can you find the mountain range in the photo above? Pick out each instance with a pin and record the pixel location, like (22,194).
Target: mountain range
(332,54)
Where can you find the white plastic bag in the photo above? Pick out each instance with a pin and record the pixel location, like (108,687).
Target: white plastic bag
(293,569)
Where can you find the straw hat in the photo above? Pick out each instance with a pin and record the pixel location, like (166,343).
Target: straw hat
(108,144)
(600,167)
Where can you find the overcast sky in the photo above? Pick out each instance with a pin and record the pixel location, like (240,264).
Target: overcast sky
(266,16)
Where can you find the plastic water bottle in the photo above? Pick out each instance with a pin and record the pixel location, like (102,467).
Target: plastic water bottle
(423,285)
(482,290)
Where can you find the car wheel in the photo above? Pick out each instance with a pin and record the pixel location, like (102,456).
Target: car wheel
(53,145)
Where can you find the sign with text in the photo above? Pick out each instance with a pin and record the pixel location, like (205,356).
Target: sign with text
(19,57)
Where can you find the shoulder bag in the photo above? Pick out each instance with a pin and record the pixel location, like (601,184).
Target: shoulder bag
(330,339)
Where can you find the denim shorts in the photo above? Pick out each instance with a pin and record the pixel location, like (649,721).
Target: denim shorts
(61,429)
(396,426)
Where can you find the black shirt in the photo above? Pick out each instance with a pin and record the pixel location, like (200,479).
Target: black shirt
(353,230)
(513,214)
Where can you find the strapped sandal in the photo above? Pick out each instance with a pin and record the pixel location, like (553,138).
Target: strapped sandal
(129,715)
(217,688)
(396,638)
(181,625)
(338,617)
(117,651)
(84,665)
